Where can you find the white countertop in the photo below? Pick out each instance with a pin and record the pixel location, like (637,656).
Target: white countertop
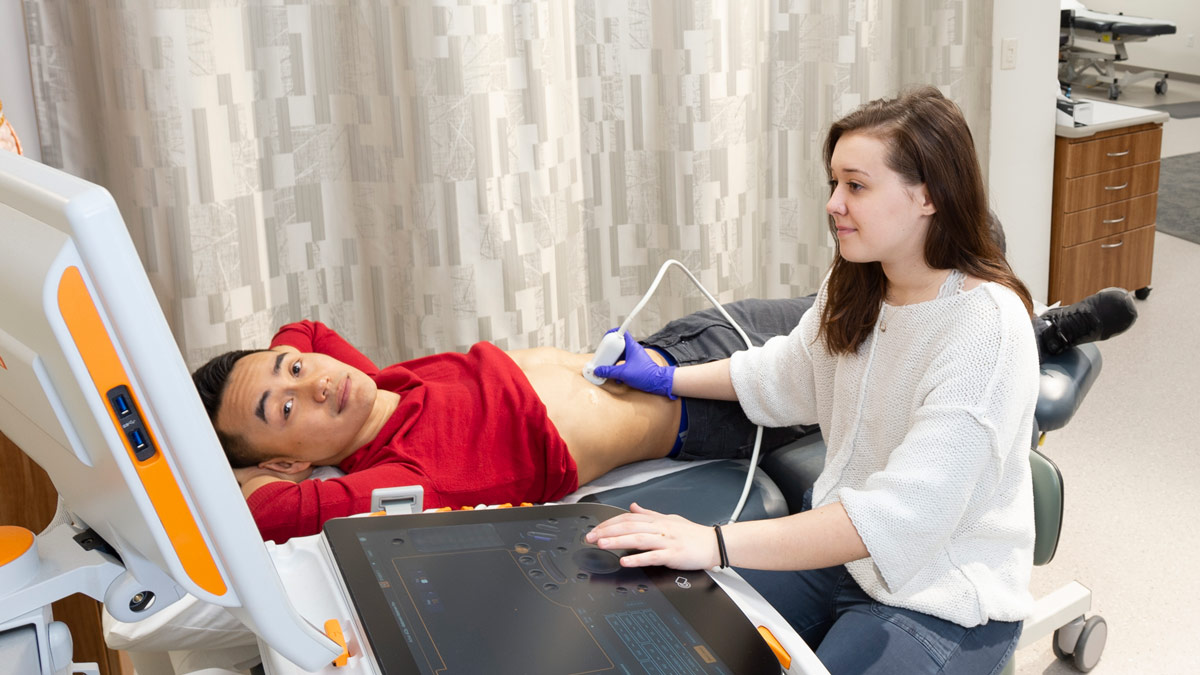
(1111,116)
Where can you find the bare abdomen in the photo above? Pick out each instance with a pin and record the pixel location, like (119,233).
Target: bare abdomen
(604,427)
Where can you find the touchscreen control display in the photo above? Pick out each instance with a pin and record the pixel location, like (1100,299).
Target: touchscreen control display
(518,591)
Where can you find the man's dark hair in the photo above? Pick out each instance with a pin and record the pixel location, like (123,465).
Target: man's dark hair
(997,231)
(211,380)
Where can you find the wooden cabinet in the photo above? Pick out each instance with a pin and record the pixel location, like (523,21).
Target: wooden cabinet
(1105,199)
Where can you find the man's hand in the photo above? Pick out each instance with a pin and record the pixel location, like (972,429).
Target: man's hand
(253,477)
(248,473)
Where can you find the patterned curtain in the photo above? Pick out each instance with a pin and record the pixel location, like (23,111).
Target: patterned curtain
(425,174)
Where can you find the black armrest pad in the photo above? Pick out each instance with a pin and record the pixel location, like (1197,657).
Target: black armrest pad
(1066,379)
(795,467)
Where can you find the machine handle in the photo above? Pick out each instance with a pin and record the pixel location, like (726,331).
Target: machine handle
(1117,154)
(1122,186)
(1119,243)
(1110,221)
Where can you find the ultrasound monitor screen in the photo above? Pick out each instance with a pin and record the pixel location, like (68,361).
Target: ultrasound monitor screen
(518,591)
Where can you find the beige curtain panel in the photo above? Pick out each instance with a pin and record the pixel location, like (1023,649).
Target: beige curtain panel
(423,175)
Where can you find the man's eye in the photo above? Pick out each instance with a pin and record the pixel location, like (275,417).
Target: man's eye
(295,367)
(287,410)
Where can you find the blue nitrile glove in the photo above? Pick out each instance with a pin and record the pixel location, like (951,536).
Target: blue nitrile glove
(640,371)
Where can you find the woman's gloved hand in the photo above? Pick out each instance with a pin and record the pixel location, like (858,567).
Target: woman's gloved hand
(640,371)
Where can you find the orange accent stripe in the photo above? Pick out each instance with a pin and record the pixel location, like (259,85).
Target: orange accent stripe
(785,659)
(333,630)
(100,357)
(2,365)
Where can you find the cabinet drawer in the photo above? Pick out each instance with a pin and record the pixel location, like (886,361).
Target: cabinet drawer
(1124,260)
(1103,221)
(1110,186)
(1114,152)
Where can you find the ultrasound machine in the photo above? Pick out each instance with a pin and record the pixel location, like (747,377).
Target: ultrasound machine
(93,388)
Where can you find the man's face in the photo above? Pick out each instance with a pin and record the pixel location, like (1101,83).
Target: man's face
(300,407)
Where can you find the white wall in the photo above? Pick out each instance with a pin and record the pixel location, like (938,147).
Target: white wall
(15,89)
(1021,139)
(1163,52)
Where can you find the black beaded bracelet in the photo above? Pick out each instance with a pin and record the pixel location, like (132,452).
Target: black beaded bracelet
(721,547)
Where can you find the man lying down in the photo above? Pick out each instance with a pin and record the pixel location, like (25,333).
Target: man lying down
(485,427)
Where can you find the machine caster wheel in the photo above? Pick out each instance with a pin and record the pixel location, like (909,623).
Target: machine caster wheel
(1160,87)
(1113,92)
(1142,293)
(1089,644)
(1058,651)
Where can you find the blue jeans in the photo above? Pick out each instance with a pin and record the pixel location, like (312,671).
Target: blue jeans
(852,633)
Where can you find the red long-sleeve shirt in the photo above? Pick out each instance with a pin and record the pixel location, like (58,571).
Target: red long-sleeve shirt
(469,429)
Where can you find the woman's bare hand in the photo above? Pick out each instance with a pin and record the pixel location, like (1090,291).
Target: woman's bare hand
(664,539)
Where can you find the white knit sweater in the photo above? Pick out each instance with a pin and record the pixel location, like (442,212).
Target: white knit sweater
(928,428)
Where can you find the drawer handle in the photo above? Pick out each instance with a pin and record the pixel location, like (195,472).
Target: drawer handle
(1119,243)
(1117,154)
(1110,221)
(1122,186)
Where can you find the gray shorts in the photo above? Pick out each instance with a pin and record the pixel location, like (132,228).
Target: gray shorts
(719,429)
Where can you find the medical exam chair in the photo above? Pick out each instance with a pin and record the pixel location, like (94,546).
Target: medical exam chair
(1095,41)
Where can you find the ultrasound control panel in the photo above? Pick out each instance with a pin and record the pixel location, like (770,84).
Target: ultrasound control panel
(519,591)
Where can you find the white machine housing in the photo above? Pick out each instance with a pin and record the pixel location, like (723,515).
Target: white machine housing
(78,320)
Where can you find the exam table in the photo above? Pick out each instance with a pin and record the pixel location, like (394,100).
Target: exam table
(1092,43)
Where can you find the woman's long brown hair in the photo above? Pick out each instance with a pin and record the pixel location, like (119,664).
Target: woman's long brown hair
(928,142)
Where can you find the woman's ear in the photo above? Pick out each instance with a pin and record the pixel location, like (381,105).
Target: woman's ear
(924,201)
(285,465)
